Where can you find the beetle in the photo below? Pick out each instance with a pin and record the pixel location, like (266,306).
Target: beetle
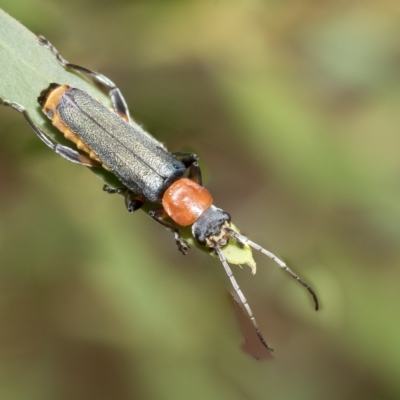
(148,172)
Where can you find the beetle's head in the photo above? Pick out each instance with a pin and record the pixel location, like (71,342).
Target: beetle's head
(212,228)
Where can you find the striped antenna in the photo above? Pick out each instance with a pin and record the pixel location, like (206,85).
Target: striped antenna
(239,292)
(281,263)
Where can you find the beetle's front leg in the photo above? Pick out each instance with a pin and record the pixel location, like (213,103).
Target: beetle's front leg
(159,215)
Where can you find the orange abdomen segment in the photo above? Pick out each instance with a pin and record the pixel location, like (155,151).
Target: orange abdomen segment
(185,201)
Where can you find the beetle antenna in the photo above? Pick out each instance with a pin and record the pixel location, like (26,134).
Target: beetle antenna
(239,292)
(243,239)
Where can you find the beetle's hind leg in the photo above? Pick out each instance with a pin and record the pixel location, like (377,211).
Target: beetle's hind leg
(132,201)
(64,151)
(105,84)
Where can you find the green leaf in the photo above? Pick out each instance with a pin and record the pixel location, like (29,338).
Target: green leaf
(28,67)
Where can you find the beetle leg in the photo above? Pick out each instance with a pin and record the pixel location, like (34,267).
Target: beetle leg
(132,201)
(186,158)
(190,161)
(64,151)
(195,174)
(105,84)
(159,215)
(119,190)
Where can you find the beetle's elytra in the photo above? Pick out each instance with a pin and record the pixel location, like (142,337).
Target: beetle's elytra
(136,160)
(146,169)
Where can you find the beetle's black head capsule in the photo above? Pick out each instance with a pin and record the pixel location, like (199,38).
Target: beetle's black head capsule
(210,227)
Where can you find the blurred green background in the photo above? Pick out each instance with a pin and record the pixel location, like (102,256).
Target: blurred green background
(293,108)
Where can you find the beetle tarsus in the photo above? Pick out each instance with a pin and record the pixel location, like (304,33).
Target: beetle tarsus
(183,247)
(111,190)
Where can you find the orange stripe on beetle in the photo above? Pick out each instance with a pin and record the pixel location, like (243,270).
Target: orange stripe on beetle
(185,201)
(50,99)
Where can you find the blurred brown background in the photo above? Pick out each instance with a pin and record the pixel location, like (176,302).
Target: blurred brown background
(293,108)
